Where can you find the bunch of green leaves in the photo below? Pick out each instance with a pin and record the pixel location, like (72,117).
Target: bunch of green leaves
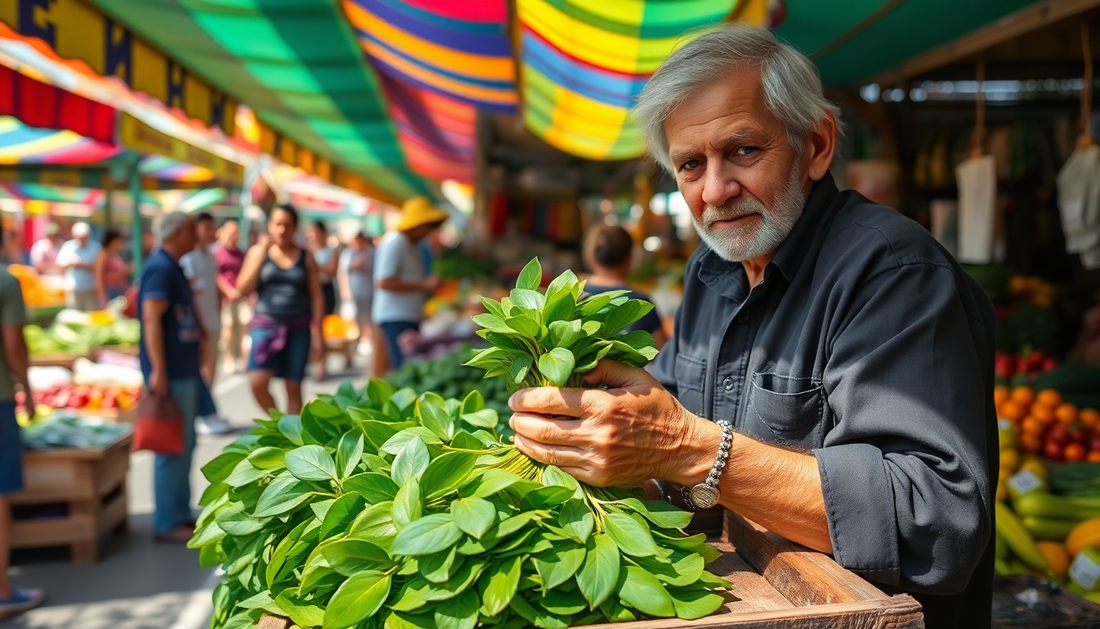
(553,338)
(381,508)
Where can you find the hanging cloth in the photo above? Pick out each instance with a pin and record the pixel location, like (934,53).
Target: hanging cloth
(977,178)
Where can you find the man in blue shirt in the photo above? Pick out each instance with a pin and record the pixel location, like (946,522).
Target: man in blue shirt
(172,335)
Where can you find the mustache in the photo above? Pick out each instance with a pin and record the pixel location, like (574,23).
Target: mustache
(730,211)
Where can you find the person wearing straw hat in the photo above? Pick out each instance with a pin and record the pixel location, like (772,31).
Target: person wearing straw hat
(402,280)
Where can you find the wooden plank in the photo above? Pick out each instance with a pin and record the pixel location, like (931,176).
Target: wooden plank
(111,514)
(752,591)
(51,531)
(802,576)
(898,612)
(53,479)
(1011,26)
(111,471)
(273,622)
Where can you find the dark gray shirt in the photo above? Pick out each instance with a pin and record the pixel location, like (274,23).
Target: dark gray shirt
(867,345)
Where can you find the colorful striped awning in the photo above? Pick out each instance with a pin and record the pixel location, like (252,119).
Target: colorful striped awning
(21,144)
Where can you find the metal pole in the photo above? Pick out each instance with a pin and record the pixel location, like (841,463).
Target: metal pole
(136,231)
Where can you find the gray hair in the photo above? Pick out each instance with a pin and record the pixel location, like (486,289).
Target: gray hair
(168,224)
(791,85)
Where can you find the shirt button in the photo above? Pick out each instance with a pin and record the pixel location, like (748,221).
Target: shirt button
(743,317)
(728,383)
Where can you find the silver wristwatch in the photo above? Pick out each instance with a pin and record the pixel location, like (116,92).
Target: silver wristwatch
(705,495)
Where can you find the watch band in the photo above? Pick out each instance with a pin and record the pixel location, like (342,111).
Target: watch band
(705,495)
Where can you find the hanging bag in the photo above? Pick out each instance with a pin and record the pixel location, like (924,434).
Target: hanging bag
(159,424)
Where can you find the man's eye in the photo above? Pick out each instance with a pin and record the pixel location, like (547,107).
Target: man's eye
(745,151)
(690,164)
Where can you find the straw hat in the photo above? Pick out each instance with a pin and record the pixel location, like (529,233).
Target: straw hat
(419,211)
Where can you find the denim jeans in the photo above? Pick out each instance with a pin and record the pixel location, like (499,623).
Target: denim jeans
(390,331)
(172,474)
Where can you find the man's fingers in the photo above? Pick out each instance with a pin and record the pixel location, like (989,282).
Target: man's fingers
(561,456)
(548,401)
(616,375)
(561,432)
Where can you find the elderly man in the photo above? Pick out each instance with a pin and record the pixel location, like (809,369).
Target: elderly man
(849,352)
(77,259)
(171,339)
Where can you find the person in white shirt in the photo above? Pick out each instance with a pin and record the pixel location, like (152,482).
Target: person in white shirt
(44,251)
(77,258)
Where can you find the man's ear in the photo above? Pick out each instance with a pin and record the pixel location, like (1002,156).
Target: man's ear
(822,147)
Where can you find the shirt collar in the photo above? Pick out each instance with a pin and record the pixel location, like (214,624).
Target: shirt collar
(728,278)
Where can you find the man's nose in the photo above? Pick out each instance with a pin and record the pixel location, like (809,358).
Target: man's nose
(719,185)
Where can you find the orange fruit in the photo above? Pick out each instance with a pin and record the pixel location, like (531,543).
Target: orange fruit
(1023,395)
(1093,456)
(1056,555)
(1049,397)
(1014,411)
(1090,417)
(1031,443)
(1075,452)
(1001,394)
(1066,413)
(1032,426)
(1043,413)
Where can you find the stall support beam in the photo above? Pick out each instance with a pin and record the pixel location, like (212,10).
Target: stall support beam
(136,249)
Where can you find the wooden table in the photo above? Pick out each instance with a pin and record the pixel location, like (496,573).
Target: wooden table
(91,486)
(777,585)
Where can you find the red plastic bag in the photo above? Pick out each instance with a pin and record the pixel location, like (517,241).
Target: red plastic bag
(159,424)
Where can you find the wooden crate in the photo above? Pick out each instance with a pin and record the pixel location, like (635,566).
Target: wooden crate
(117,415)
(55,360)
(778,585)
(90,483)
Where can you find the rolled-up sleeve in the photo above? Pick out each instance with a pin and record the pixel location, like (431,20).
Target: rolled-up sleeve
(905,469)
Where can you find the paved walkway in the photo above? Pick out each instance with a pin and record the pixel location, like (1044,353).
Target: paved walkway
(139,584)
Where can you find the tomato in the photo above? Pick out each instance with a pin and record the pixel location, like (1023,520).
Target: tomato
(1075,452)
(1053,450)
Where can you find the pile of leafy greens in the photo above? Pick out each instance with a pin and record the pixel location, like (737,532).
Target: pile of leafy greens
(382,508)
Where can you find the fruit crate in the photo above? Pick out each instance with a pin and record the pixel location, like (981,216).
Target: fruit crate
(72,497)
(55,360)
(777,585)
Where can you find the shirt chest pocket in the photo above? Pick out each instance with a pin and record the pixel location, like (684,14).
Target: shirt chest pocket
(786,410)
(691,374)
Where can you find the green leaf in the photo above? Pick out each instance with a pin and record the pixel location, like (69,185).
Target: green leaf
(642,591)
(492,481)
(418,592)
(411,461)
(519,368)
(407,506)
(638,339)
(576,519)
(473,402)
(546,497)
(379,390)
(524,325)
(268,458)
(348,453)
(663,514)
(352,556)
(559,307)
(290,426)
(235,521)
(564,333)
(303,615)
(341,513)
(220,467)
(437,568)
(557,365)
(377,433)
(245,474)
(360,597)
(492,306)
(682,569)
(432,411)
(531,301)
(600,573)
(459,612)
(446,472)
(474,516)
(490,322)
(284,494)
(485,418)
(499,585)
(375,524)
(630,535)
(553,475)
(625,315)
(373,487)
(537,616)
(565,284)
(558,566)
(311,463)
(394,444)
(430,534)
(530,277)
(598,302)
(564,603)
(692,603)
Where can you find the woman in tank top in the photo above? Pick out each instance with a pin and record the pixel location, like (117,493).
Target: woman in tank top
(286,326)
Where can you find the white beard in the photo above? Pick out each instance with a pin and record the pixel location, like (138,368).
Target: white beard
(759,238)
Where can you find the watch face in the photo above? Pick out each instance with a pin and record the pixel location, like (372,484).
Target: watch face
(704,496)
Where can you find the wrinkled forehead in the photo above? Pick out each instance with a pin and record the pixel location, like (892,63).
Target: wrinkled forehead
(735,101)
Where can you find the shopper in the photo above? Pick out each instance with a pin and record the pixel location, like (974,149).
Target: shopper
(14,363)
(608,252)
(848,354)
(356,275)
(286,327)
(236,311)
(171,343)
(77,258)
(402,280)
(326,259)
(201,269)
(112,274)
(44,251)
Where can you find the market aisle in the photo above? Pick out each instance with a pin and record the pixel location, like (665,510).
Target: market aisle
(139,584)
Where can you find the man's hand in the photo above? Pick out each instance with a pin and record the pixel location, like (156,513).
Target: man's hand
(432,284)
(622,436)
(158,383)
(29,405)
(316,347)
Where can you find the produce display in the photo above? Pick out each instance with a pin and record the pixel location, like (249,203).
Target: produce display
(450,377)
(381,508)
(64,430)
(79,333)
(89,397)
(1043,423)
(1019,370)
(453,264)
(35,293)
